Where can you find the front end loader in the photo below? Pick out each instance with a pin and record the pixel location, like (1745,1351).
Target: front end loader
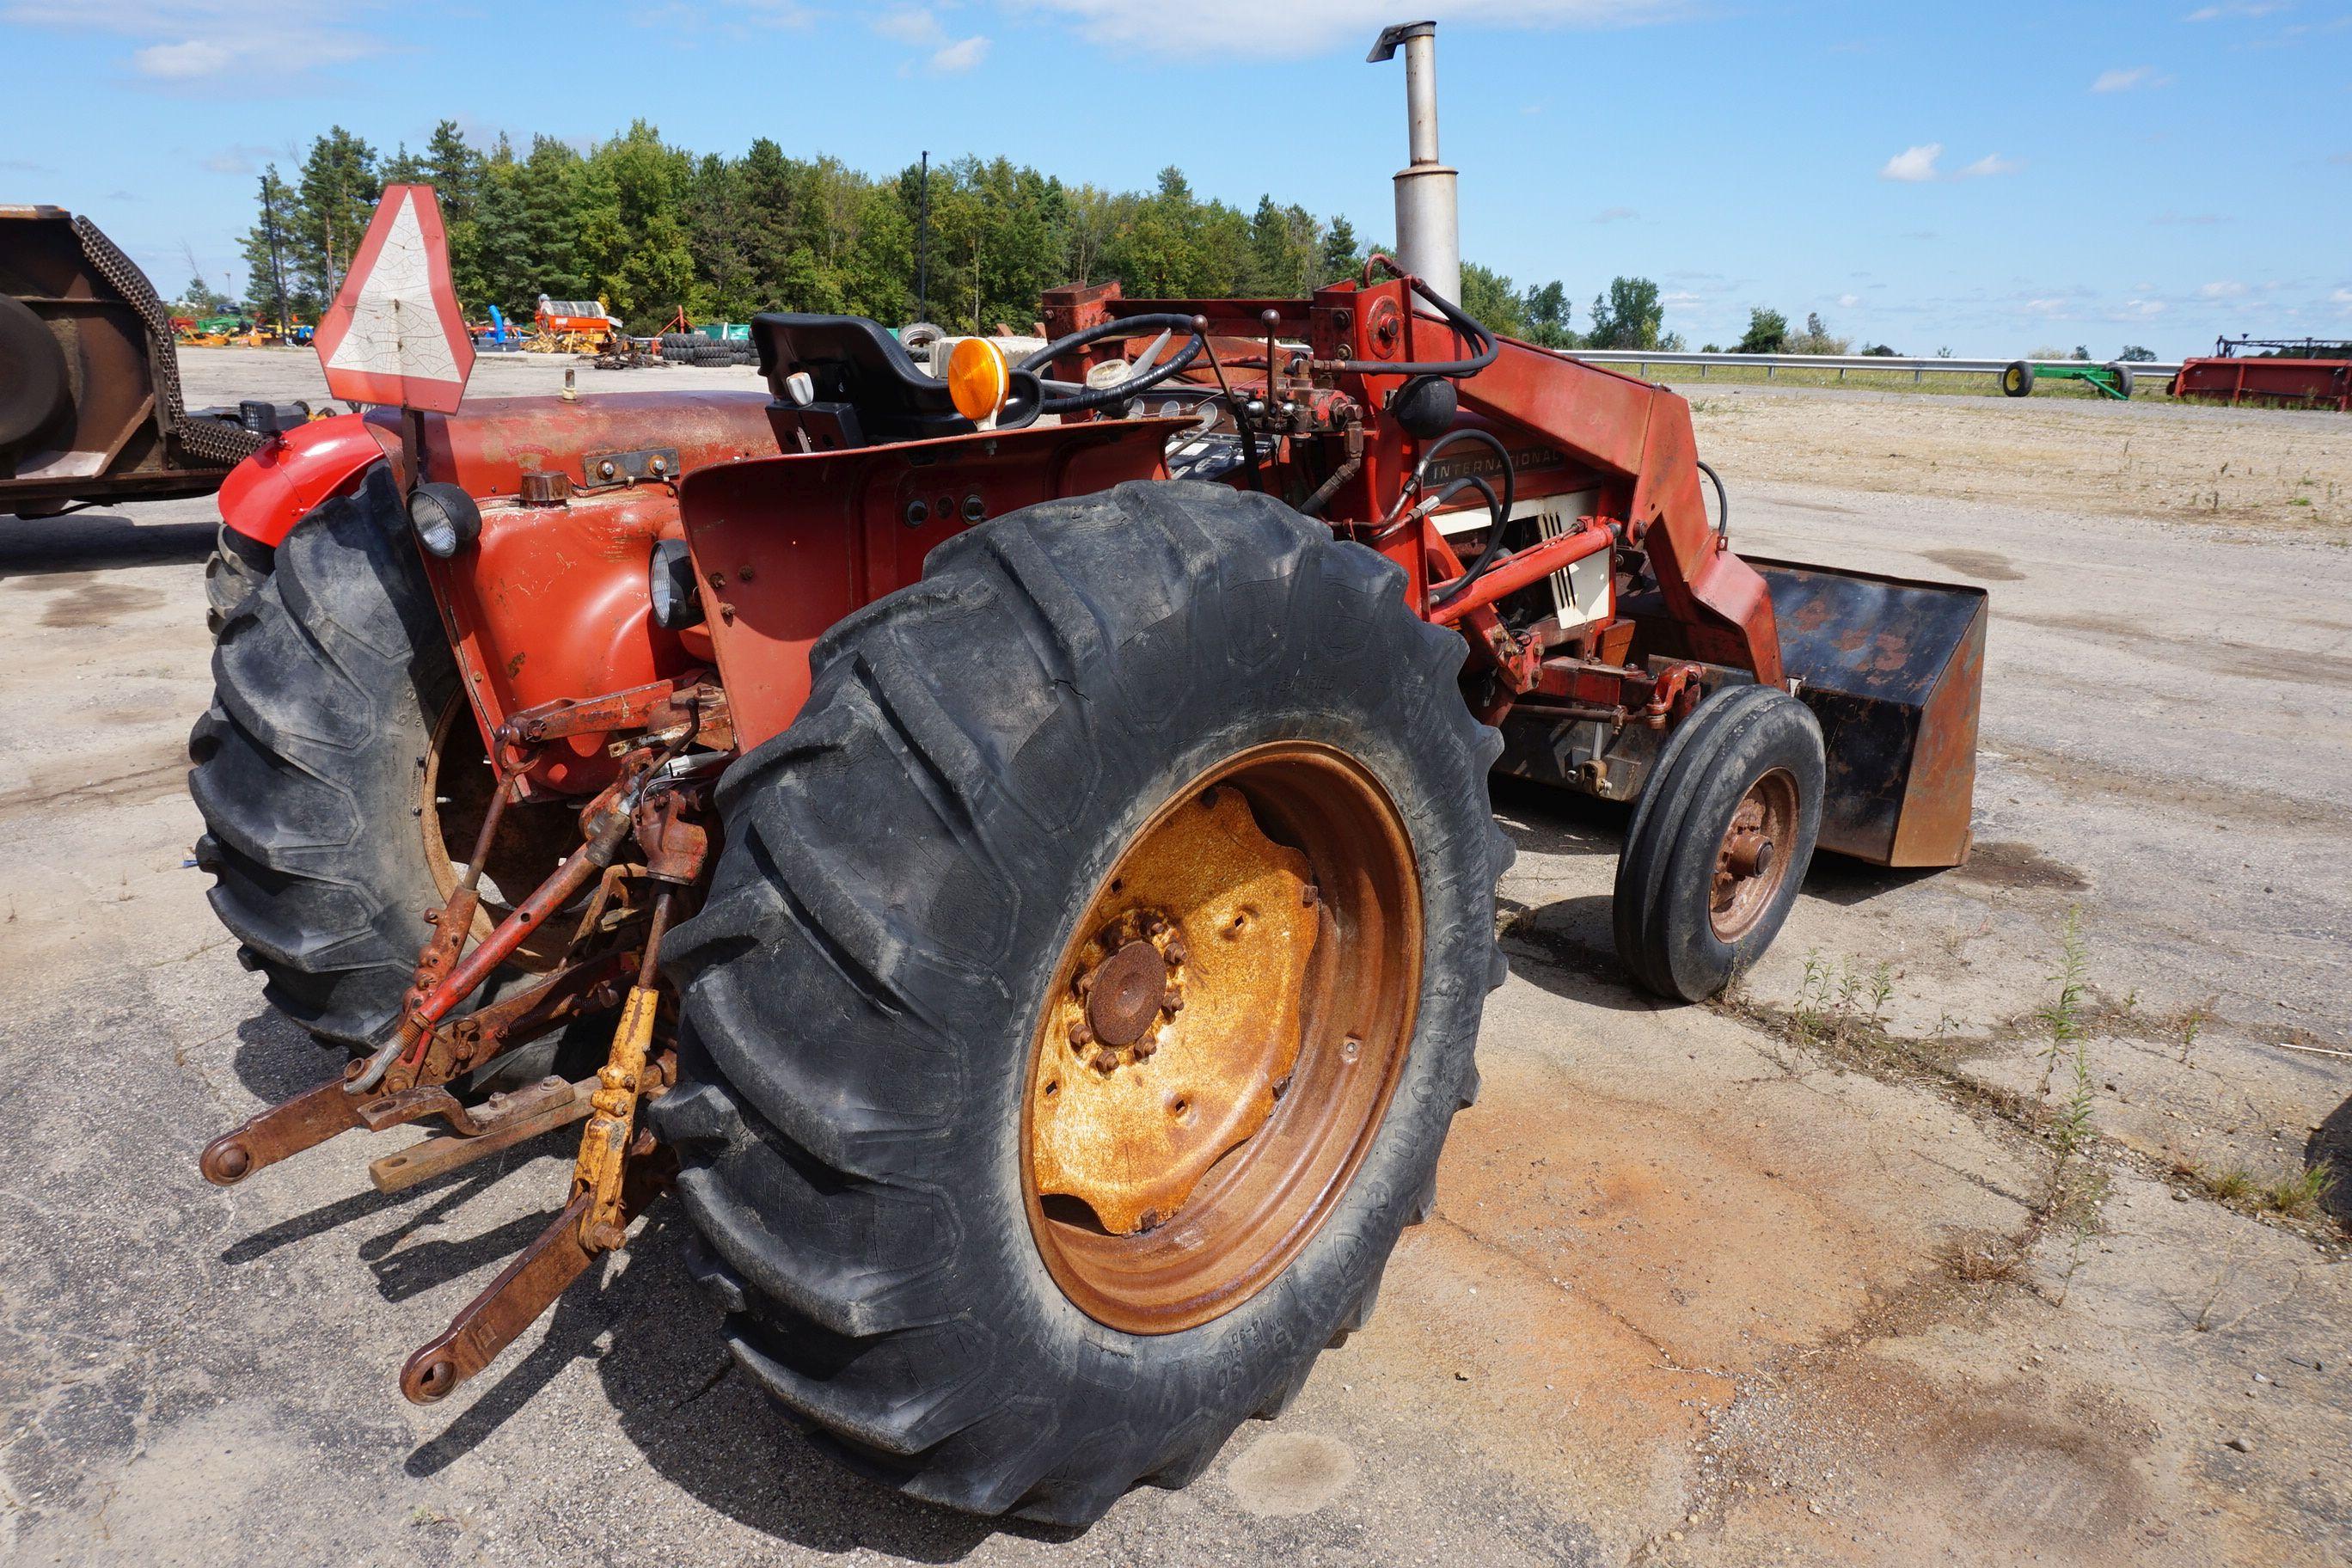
(1015,833)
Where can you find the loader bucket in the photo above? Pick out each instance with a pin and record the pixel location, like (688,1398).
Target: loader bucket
(1894,669)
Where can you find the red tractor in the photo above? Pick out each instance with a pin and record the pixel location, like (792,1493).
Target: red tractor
(1031,822)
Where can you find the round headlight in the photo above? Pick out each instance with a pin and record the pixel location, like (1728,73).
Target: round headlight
(444,517)
(669,583)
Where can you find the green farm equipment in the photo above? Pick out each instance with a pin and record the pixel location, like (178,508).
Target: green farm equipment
(2108,380)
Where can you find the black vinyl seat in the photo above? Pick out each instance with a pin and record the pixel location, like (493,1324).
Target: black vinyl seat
(855,363)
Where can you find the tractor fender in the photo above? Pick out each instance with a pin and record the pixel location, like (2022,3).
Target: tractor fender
(266,495)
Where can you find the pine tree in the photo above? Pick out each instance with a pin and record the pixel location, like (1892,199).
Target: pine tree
(548,224)
(335,198)
(272,289)
(454,170)
(1342,253)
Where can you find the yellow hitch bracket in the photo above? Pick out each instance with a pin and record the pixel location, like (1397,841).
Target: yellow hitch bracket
(605,1143)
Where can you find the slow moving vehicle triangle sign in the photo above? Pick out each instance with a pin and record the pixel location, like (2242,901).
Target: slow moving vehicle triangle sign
(395,334)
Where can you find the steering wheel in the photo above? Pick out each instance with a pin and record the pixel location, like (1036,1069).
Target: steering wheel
(1060,398)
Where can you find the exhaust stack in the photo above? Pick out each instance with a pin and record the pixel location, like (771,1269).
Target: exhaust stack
(1428,223)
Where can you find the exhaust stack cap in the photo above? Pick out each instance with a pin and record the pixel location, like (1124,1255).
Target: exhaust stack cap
(1428,222)
(1384,47)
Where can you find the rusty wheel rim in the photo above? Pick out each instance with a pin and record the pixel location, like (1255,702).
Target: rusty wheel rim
(1221,1038)
(453,792)
(1752,860)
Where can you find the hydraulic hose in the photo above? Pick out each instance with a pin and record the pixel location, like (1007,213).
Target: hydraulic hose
(1722,506)
(1488,345)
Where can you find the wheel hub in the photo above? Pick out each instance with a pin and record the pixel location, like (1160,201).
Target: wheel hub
(1182,1017)
(1212,1054)
(1128,994)
(1748,865)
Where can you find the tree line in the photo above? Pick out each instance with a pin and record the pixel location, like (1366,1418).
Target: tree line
(652,229)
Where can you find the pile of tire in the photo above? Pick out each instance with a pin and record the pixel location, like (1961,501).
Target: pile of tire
(693,348)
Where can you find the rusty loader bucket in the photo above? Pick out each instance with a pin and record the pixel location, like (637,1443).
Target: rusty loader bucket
(1894,669)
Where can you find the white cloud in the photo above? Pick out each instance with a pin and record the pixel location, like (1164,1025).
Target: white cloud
(1615,214)
(2342,297)
(919,27)
(1848,301)
(909,25)
(2137,311)
(2128,77)
(2228,288)
(773,13)
(238,159)
(1913,164)
(1303,26)
(177,62)
(1991,163)
(226,42)
(2248,8)
(962,55)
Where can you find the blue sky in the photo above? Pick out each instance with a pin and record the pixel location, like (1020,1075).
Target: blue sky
(1990,177)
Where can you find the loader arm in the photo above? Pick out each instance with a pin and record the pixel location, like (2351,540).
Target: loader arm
(1642,434)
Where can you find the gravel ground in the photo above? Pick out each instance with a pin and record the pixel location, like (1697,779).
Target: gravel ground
(1794,1278)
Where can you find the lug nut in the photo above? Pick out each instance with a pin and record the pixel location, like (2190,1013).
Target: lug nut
(1174,952)
(1082,1033)
(1171,1000)
(1086,983)
(1105,1060)
(1153,925)
(1144,1048)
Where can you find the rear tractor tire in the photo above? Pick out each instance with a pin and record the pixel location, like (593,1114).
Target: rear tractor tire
(1085,988)
(1720,842)
(2017,380)
(337,768)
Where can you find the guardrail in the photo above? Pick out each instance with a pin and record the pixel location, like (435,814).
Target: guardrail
(1920,368)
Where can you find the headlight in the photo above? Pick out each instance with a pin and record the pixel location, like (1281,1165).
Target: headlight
(444,517)
(669,582)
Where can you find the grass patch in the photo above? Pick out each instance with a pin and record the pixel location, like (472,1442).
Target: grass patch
(1686,379)
(2300,1196)
(2297,1197)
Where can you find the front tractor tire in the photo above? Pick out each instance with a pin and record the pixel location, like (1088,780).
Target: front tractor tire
(1719,843)
(236,567)
(1086,986)
(336,764)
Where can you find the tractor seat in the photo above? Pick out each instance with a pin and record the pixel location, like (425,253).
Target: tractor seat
(854,362)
